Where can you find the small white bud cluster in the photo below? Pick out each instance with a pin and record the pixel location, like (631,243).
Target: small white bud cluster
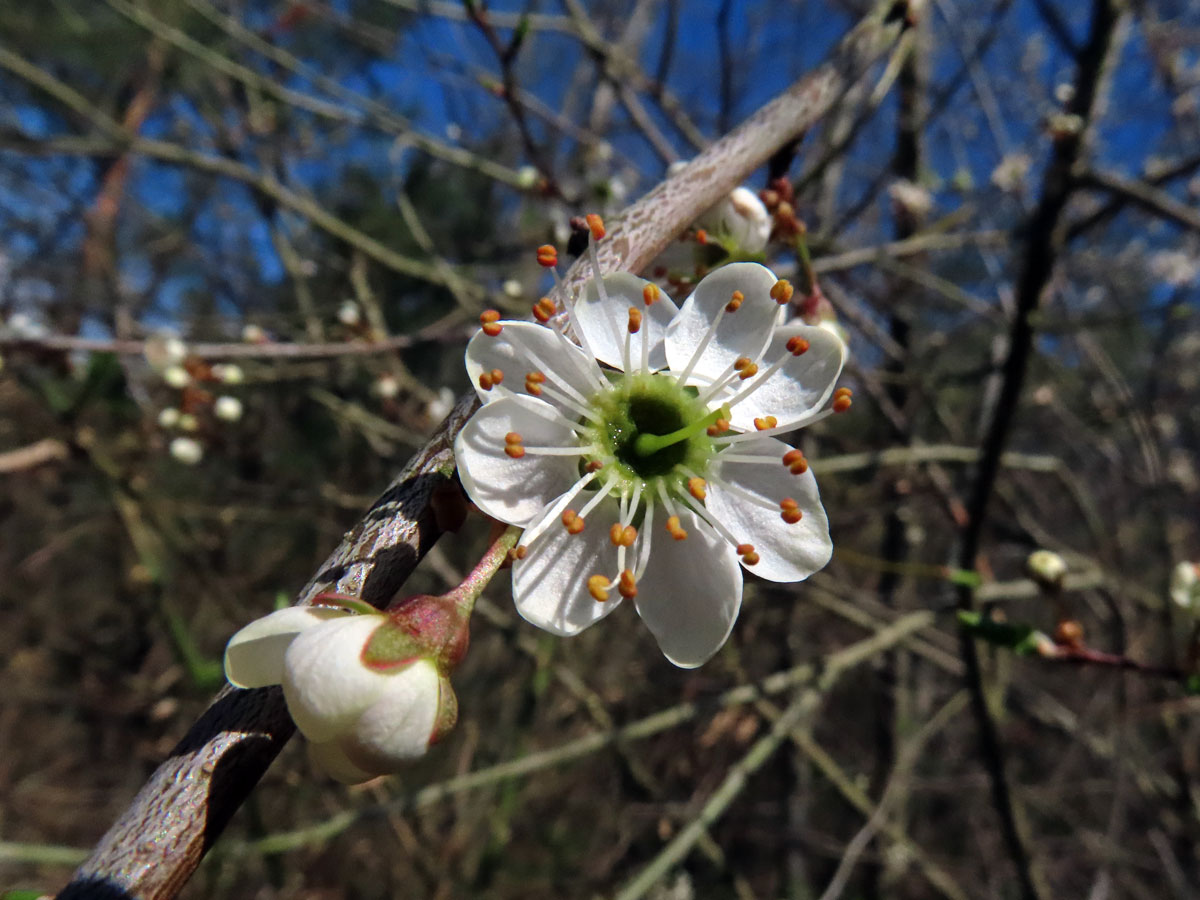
(1185,586)
(1047,568)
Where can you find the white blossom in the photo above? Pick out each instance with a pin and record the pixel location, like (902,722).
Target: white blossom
(349,314)
(168,418)
(645,465)
(176,377)
(742,219)
(1185,585)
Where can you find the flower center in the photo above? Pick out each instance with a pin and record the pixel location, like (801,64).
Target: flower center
(650,428)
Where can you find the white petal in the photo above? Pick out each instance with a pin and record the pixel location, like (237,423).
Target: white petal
(524,347)
(254,656)
(325,682)
(605,325)
(786,552)
(331,759)
(397,726)
(801,386)
(550,583)
(742,333)
(690,593)
(515,490)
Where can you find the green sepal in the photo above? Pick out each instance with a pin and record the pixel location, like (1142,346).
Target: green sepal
(391,649)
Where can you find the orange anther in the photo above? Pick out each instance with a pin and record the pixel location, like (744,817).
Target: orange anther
(735,301)
(544,310)
(795,461)
(741,362)
(497,376)
(489,321)
(485,381)
(594,466)
(696,487)
(547,256)
(517,552)
(596,224)
(701,236)
(843,392)
(626,585)
(797,345)
(765,422)
(675,529)
(781,291)
(718,427)
(842,403)
(651,294)
(635,320)
(534,382)
(748,371)
(616,535)
(598,586)
(572,522)
(790,511)
(515,451)
(746,552)
(513,438)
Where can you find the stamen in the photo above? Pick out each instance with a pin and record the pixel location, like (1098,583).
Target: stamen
(635,320)
(675,529)
(489,321)
(627,585)
(703,345)
(561,451)
(745,367)
(701,236)
(547,256)
(517,552)
(696,488)
(544,310)
(598,586)
(796,345)
(486,381)
(713,522)
(513,446)
(841,399)
(735,301)
(596,225)
(718,427)
(534,382)
(765,422)
(651,294)
(795,462)
(532,534)
(584,363)
(591,504)
(572,521)
(622,536)
(646,534)
(781,291)
(790,511)
(746,552)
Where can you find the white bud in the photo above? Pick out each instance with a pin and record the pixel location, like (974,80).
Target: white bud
(512,288)
(228,409)
(188,422)
(254,334)
(176,377)
(527,177)
(228,373)
(349,314)
(387,386)
(1185,585)
(163,350)
(1047,568)
(911,197)
(187,450)
(168,418)
(1064,93)
(742,219)
(1009,174)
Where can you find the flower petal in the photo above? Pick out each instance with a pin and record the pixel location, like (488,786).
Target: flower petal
(690,593)
(800,386)
(254,656)
(604,325)
(550,584)
(524,347)
(741,333)
(745,497)
(515,490)
(331,759)
(325,682)
(398,726)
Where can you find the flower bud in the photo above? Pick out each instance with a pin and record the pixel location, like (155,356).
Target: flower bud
(349,314)
(1047,568)
(168,418)
(176,376)
(742,219)
(163,350)
(228,373)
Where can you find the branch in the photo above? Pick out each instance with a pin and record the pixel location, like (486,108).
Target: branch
(189,799)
